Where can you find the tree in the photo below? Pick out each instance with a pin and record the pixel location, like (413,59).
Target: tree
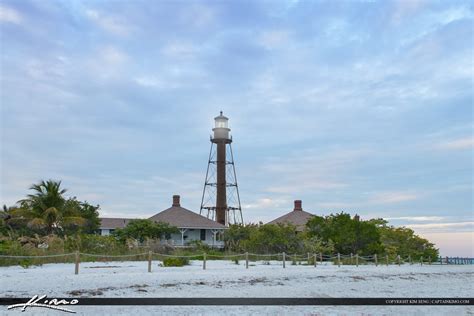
(47,210)
(272,238)
(403,241)
(91,214)
(347,234)
(236,234)
(142,229)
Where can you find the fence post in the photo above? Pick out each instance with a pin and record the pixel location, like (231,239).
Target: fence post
(386,259)
(149,260)
(315,260)
(429,260)
(375,256)
(284,259)
(321,257)
(357,259)
(421,260)
(77,257)
(246,260)
(398,260)
(204,262)
(447,260)
(308,258)
(409,259)
(338,259)
(351,258)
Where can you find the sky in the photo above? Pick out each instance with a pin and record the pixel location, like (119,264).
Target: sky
(358,106)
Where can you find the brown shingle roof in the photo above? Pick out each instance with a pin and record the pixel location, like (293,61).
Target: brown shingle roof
(184,218)
(297,217)
(113,223)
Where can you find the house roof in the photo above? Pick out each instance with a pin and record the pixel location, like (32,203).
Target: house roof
(183,218)
(297,217)
(113,223)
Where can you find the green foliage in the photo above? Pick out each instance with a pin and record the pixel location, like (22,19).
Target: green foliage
(347,235)
(403,241)
(142,229)
(272,239)
(175,262)
(198,246)
(47,211)
(25,263)
(236,234)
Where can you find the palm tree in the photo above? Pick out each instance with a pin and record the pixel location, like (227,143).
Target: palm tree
(48,209)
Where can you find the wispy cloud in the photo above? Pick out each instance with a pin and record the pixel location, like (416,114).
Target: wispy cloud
(442,227)
(112,24)
(393,197)
(457,144)
(418,218)
(9,15)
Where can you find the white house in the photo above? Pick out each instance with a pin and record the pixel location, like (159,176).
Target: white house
(192,226)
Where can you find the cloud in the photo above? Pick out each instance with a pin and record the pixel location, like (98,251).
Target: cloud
(266,203)
(457,144)
(392,197)
(149,81)
(10,15)
(406,8)
(111,24)
(273,39)
(442,227)
(198,15)
(418,218)
(112,55)
(179,49)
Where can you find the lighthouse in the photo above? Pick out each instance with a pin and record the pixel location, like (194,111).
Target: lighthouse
(220,198)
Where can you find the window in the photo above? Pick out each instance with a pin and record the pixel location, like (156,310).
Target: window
(203,234)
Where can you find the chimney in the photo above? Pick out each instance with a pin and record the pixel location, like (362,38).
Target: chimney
(298,205)
(176,200)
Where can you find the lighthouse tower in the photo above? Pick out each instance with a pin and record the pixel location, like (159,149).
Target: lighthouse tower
(220,197)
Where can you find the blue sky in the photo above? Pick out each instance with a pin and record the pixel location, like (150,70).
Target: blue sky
(356,106)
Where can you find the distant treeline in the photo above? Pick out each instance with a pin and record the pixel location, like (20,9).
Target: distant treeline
(46,215)
(335,233)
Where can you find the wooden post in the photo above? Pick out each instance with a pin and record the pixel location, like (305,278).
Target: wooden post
(429,260)
(204,262)
(321,257)
(375,257)
(76,268)
(149,260)
(308,258)
(409,259)
(421,260)
(351,258)
(357,259)
(386,259)
(447,260)
(284,259)
(338,259)
(398,260)
(246,260)
(315,260)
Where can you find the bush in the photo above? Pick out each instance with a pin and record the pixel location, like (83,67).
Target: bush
(25,263)
(175,262)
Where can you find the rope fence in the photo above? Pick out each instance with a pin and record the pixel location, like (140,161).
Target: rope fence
(310,259)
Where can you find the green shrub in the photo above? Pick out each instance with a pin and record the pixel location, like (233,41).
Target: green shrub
(25,263)
(175,262)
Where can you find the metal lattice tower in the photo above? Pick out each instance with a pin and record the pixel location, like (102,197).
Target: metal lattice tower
(220,197)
